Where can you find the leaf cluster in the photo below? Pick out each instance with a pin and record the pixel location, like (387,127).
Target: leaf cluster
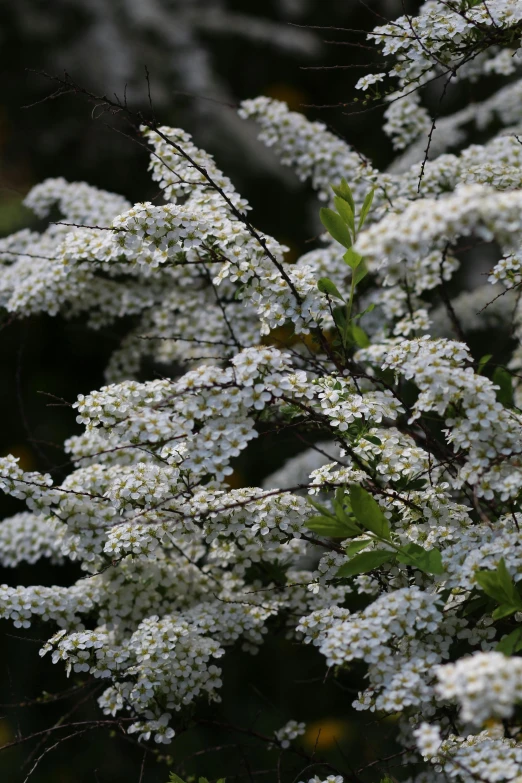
(358,514)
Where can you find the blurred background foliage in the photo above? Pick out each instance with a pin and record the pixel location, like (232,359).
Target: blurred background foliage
(203,57)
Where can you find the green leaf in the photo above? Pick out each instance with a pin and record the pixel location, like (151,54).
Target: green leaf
(339,316)
(331,528)
(366,561)
(373,439)
(511,643)
(327,287)
(175,778)
(488,581)
(366,208)
(483,361)
(322,509)
(427,560)
(416,484)
(506,582)
(499,586)
(344,191)
(339,505)
(359,336)
(356,546)
(345,211)
(368,512)
(360,273)
(504,610)
(504,393)
(367,310)
(335,226)
(352,258)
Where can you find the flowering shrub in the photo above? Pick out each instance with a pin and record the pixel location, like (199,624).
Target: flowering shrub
(411,500)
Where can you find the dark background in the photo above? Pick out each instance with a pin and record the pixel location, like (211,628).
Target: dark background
(103,48)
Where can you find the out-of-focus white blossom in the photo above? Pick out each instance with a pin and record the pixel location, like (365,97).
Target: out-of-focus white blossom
(486,685)
(290,731)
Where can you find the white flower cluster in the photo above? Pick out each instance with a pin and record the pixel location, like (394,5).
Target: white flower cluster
(438,43)
(486,685)
(486,756)
(313,151)
(435,223)
(25,538)
(342,405)
(290,731)
(478,424)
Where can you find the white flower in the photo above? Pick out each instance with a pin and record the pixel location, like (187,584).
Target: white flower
(428,740)
(487,685)
(367,81)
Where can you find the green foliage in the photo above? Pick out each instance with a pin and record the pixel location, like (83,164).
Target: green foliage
(500,586)
(335,524)
(483,361)
(411,485)
(367,203)
(373,439)
(356,546)
(505,391)
(341,226)
(512,643)
(360,273)
(345,211)
(345,192)
(352,258)
(429,561)
(359,336)
(366,561)
(328,526)
(368,512)
(327,287)
(359,511)
(336,226)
